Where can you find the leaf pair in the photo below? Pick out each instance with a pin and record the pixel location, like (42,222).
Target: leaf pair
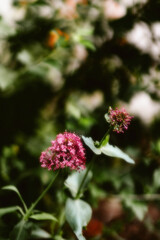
(27,230)
(107,149)
(11,209)
(24,229)
(14,189)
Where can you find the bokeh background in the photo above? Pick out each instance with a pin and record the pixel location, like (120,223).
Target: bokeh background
(62,64)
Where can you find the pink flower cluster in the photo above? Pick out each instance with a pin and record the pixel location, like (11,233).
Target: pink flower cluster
(119,119)
(66,151)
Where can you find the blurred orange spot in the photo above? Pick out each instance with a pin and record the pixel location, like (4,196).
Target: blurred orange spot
(94,228)
(63,34)
(52,39)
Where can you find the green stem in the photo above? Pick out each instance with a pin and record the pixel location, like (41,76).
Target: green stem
(84,178)
(22,223)
(27,215)
(91,163)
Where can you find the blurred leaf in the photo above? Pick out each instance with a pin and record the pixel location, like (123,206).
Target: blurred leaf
(156,146)
(5,29)
(43,216)
(138,208)
(39,2)
(7,210)
(88,44)
(25,57)
(156,178)
(59,238)
(26,230)
(53,62)
(75,179)
(7,78)
(14,189)
(39,233)
(97,192)
(4,169)
(78,214)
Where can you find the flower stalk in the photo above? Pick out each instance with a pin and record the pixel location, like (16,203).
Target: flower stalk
(30,210)
(84,178)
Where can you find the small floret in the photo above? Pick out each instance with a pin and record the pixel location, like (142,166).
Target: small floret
(118,119)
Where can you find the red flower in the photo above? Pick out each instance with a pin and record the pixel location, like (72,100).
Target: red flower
(94,228)
(66,151)
(118,119)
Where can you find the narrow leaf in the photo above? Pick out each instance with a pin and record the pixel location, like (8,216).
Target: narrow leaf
(74,181)
(7,210)
(78,214)
(43,216)
(14,189)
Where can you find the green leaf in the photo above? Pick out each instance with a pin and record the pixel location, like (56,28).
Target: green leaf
(43,216)
(58,237)
(53,62)
(114,151)
(74,181)
(138,208)
(7,210)
(109,150)
(26,230)
(88,44)
(40,233)
(156,178)
(90,143)
(78,214)
(14,189)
